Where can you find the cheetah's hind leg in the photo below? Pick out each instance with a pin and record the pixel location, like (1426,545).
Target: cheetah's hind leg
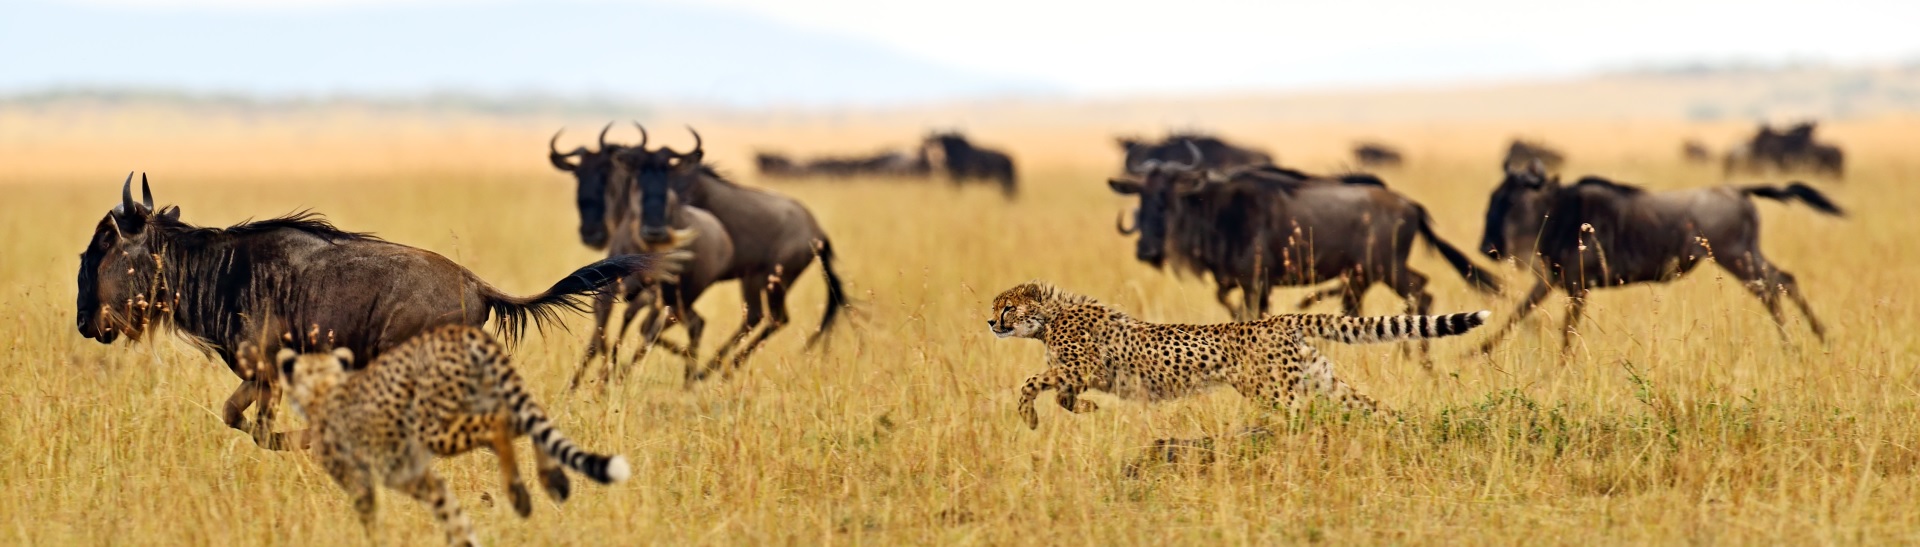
(502,439)
(553,478)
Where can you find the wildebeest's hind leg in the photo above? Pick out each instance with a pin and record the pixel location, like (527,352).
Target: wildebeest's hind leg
(1253,299)
(1767,282)
(752,294)
(776,316)
(1576,306)
(259,391)
(597,344)
(695,325)
(1222,290)
(650,330)
(620,334)
(1539,292)
(1412,287)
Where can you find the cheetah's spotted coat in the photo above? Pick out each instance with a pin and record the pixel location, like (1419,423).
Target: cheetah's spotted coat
(1092,346)
(441,393)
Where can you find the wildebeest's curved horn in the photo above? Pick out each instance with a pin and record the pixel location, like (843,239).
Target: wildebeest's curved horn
(696,140)
(554,143)
(603,136)
(126,194)
(1120,223)
(1193,151)
(146,193)
(643,134)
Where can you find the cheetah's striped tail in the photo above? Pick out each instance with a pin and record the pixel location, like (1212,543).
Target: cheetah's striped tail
(1392,328)
(531,420)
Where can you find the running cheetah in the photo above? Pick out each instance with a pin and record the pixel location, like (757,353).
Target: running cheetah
(1094,346)
(441,393)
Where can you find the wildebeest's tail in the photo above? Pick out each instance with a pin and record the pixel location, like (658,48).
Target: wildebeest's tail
(1812,197)
(1391,328)
(1480,279)
(515,312)
(836,293)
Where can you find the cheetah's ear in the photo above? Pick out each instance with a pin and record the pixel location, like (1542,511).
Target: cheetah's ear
(345,356)
(285,358)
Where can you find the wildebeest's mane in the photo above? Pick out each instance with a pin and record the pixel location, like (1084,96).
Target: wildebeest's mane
(1599,182)
(1289,172)
(1364,179)
(1221,233)
(305,221)
(710,170)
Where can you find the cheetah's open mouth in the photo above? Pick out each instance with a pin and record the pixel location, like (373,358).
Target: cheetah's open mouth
(1000,332)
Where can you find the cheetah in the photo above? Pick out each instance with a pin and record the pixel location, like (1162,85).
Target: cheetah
(441,393)
(1092,346)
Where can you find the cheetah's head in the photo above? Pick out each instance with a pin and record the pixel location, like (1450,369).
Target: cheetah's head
(312,375)
(1018,312)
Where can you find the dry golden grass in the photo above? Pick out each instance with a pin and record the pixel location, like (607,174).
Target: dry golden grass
(1682,419)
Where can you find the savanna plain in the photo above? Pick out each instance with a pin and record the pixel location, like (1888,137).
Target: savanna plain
(1681,416)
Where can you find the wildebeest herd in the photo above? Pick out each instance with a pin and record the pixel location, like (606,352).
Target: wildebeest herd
(960,159)
(675,227)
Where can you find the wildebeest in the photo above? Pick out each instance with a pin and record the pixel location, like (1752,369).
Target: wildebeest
(1217,153)
(1787,151)
(1373,154)
(1256,228)
(1695,151)
(1523,152)
(777,165)
(693,230)
(245,291)
(591,172)
(965,161)
(775,239)
(885,163)
(1598,233)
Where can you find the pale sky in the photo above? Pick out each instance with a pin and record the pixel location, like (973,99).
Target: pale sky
(1146,45)
(1115,47)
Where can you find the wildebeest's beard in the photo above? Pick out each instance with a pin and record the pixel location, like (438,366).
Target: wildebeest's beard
(120,284)
(590,190)
(662,179)
(1151,216)
(590,198)
(1158,186)
(653,184)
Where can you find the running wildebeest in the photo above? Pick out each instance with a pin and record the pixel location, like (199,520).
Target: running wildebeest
(1597,233)
(1255,228)
(775,239)
(1373,154)
(1523,152)
(1695,151)
(777,165)
(245,291)
(1218,153)
(1786,151)
(693,230)
(965,162)
(885,163)
(591,173)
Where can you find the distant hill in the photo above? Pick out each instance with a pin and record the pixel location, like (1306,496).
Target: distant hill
(514,48)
